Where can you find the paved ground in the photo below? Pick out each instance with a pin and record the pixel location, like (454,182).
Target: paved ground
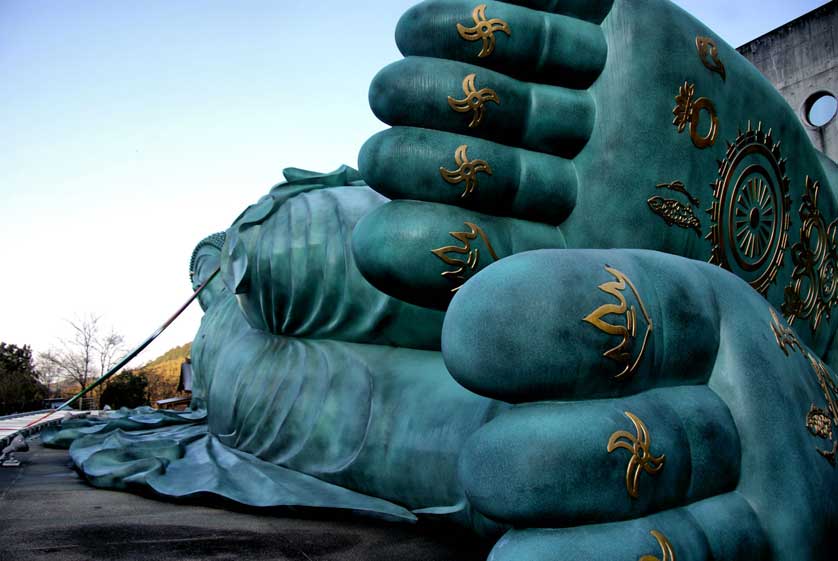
(48,513)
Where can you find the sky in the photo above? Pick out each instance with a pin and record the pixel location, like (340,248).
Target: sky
(131,130)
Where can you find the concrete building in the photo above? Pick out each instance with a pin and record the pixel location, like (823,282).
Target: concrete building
(799,58)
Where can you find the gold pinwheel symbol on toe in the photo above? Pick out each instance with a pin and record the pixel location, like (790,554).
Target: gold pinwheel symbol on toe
(483,29)
(475,100)
(467,170)
(666,549)
(642,458)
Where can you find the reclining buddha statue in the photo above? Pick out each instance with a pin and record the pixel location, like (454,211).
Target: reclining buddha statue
(578,299)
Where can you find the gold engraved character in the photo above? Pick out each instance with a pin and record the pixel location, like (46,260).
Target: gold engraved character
(813,291)
(666,549)
(483,29)
(464,268)
(642,458)
(816,418)
(621,353)
(475,100)
(688,110)
(785,337)
(708,52)
(466,171)
(819,422)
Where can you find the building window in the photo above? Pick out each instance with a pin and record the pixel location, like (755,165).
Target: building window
(820,108)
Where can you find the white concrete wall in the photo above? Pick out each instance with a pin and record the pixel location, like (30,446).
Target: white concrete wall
(800,59)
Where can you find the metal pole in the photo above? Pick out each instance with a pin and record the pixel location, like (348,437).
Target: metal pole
(130,355)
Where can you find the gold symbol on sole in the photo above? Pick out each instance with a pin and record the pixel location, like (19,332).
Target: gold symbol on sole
(467,171)
(483,29)
(666,549)
(708,52)
(674,212)
(621,353)
(688,110)
(819,422)
(475,100)
(641,457)
(464,268)
(751,210)
(813,291)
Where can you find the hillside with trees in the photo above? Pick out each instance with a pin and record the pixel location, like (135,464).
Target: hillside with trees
(163,373)
(149,383)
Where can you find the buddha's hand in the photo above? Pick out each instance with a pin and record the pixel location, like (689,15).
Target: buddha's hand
(589,123)
(663,409)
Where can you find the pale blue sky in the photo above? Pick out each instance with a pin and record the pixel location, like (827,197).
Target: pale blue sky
(129,130)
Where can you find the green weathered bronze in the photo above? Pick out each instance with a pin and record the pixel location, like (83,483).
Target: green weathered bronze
(573,400)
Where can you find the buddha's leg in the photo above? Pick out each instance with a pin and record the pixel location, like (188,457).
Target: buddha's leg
(384,421)
(293,369)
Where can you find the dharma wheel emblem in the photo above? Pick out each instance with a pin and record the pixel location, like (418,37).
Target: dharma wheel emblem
(750,212)
(483,29)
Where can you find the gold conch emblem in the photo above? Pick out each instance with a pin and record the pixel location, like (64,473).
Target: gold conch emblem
(819,422)
(463,268)
(708,52)
(621,353)
(641,457)
(688,110)
(483,29)
(467,171)
(475,100)
(666,549)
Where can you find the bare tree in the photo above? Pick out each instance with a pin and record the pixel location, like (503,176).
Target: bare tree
(109,348)
(87,354)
